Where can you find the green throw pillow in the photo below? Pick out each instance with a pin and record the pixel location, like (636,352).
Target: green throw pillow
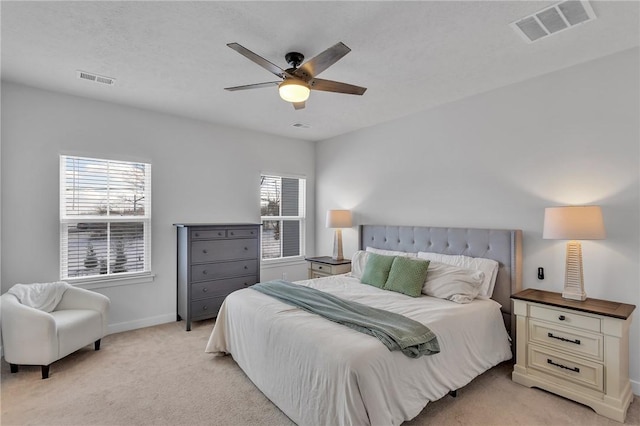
(407,276)
(376,270)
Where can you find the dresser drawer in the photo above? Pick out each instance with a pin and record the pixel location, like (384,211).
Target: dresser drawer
(214,271)
(208,233)
(221,250)
(567,368)
(565,318)
(206,308)
(242,233)
(206,289)
(572,340)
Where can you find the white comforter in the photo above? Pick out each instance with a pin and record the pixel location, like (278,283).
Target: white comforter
(322,373)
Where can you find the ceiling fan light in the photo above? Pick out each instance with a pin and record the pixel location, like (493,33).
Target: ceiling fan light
(294,91)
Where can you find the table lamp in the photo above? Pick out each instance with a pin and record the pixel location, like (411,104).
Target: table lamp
(573,223)
(338,219)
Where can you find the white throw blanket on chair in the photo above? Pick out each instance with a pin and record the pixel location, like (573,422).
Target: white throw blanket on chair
(42,296)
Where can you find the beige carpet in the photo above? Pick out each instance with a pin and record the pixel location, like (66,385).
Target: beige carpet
(161,376)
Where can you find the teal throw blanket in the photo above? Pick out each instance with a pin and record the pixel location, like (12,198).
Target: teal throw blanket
(395,331)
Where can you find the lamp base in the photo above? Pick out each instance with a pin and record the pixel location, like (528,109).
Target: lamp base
(337,245)
(573,278)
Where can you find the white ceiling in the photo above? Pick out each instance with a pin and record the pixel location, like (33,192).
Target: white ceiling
(172,56)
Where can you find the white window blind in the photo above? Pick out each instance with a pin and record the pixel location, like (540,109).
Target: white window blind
(282,211)
(105,217)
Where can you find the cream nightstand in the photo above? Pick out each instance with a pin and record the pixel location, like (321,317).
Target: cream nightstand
(579,350)
(325,266)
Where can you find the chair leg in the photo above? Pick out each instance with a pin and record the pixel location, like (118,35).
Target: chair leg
(45,371)
(14,367)
(96,344)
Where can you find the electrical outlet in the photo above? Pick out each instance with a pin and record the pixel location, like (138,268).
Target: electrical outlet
(284,276)
(541,273)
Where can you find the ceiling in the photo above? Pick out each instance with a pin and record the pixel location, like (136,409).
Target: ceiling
(172,56)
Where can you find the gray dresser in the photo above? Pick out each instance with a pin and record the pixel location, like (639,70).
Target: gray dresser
(213,261)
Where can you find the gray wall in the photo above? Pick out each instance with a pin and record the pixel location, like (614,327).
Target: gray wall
(200,173)
(497,160)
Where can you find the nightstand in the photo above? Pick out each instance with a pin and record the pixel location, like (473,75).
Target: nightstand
(325,266)
(579,350)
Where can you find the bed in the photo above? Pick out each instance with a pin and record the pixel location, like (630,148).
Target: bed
(319,372)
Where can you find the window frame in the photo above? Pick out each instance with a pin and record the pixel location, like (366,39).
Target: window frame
(65,220)
(301,218)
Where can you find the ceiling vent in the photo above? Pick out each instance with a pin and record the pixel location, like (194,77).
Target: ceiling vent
(553,20)
(83,75)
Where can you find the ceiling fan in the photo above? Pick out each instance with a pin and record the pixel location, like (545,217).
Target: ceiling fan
(297,81)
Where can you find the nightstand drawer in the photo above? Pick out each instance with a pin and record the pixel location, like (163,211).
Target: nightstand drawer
(567,368)
(565,318)
(575,341)
(323,268)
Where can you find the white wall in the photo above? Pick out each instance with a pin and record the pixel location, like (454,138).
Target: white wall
(200,173)
(497,160)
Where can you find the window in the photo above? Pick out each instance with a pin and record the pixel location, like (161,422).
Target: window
(105,218)
(282,211)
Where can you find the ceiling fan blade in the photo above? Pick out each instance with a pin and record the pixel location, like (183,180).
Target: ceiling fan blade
(322,61)
(272,68)
(336,86)
(298,105)
(253,86)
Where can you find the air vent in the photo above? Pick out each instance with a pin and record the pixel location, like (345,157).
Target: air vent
(553,20)
(83,75)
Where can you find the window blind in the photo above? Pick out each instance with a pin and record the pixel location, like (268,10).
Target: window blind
(283,212)
(105,217)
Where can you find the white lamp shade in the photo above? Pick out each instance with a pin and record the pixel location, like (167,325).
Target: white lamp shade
(339,219)
(573,223)
(294,91)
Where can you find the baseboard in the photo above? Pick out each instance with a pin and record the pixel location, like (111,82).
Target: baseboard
(141,323)
(635,387)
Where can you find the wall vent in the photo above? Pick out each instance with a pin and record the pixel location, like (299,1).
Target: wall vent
(553,20)
(83,75)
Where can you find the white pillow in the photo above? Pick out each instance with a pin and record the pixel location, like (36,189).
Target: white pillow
(358,262)
(488,266)
(453,283)
(391,252)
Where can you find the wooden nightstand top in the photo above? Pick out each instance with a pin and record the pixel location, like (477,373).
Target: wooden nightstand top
(328,260)
(594,306)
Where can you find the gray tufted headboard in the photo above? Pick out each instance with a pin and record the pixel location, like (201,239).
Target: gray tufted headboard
(502,245)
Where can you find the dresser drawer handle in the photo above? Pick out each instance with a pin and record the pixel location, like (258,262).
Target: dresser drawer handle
(562,318)
(246,248)
(219,233)
(319,267)
(197,235)
(246,267)
(204,290)
(574,369)
(204,251)
(204,272)
(204,308)
(577,341)
(231,233)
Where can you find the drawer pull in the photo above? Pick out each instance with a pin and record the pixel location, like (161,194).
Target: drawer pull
(204,272)
(197,235)
(204,251)
(574,369)
(562,318)
(231,233)
(577,341)
(246,248)
(319,267)
(246,267)
(204,308)
(204,289)
(219,233)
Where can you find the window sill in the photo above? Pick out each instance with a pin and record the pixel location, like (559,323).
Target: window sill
(276,263)
(96,283)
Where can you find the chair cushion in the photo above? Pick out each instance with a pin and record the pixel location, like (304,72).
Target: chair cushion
(76,328)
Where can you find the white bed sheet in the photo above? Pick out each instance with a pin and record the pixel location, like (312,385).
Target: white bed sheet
(322,373)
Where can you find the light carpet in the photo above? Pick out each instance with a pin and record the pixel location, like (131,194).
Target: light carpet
(161,376)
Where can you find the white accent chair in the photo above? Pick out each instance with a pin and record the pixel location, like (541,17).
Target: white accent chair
(34,337)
